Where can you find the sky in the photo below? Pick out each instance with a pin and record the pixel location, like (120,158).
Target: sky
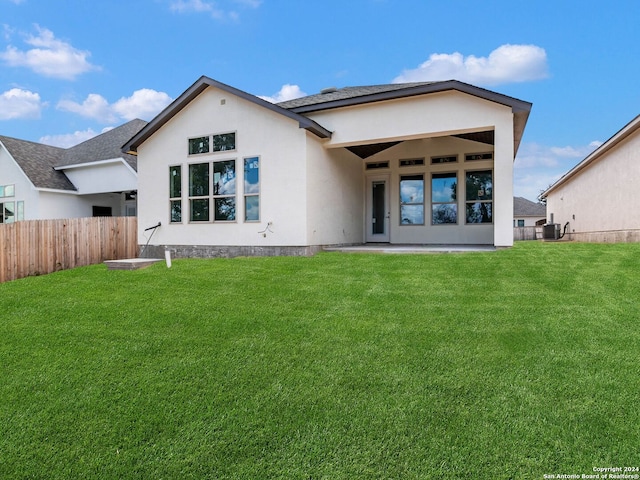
(74,69)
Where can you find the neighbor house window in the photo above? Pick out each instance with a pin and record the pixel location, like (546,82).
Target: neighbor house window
(479,196)
(199,192)
(444,198)
(224,190)
(7,191)
(175,193)
(198,145)
(224,142)
(521,223)
(20,212)
(412,200)
(252,189)
(7,212)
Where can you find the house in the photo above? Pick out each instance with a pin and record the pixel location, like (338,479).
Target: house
(224,173)
(527,213)
(596,201)
(93,178)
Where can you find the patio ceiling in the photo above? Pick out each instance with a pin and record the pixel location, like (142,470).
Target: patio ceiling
(366,151)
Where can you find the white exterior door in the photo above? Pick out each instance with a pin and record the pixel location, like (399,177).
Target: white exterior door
(378,209)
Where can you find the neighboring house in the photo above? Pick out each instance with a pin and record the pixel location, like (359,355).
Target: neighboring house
(226,173)
(598,198)
(93,178)
(527,213)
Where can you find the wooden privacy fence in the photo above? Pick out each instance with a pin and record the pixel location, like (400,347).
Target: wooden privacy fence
(527,233)
(37,247)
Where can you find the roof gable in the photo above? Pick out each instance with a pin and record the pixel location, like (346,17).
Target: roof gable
(43,164)
(37,161)
(628,130)
(194,91)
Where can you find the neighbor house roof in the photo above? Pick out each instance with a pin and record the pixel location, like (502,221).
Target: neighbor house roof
(44,164)
(336,98)
(526,208)
(626,131)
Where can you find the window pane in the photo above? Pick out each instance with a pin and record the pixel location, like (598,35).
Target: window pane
(9,190)
(224,141)
(198,145)
(200,210)
(411,189)
(412,214)
(9,212)
(1,191)
(252,208)
(20,206)
(224,178)
(443,187)
(176,211)
(479,212)
(225,208)
(251,175)
(479,186)
(175,182)
(444,213)
(199,180)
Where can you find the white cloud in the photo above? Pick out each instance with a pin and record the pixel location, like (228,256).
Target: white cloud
(17,103)
(144,103)
(506,64)
(69,139)
(49,57)
(287,92)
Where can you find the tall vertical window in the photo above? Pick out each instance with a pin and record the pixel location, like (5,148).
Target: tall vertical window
(7,212)
(175,193)
(224,190)
(479,196)
(412,200)
(199,192)
(444,206)
(252,189)
(20,212)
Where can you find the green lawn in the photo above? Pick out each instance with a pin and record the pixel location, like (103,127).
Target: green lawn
(509,364)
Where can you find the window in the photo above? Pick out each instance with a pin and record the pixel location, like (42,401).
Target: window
(20,212)
(224,142)
(198,145)
(444,159)
(199,192)
(7,212)
(412,162)
(479,197)
(224,190)
(412,200)
(520,223)
(375,165)
(478,156)
(252,189)
(7,190)
(175,194)
(444,206)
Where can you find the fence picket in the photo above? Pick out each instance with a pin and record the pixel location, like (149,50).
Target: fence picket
(37,247)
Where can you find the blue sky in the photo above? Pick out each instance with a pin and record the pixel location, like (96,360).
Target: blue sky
(69,70)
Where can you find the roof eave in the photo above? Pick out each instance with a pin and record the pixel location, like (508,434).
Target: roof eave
(196,89)
(622,134)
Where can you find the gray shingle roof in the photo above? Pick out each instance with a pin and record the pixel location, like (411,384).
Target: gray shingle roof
(332,95)
(526,208)
(38,161)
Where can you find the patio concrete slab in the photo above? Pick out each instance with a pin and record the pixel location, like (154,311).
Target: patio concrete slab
(415,249)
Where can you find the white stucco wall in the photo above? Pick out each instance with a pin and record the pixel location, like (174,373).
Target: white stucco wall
(54,205)
(436,115)
(335,205)
(604,196)
(103,177)
(276,140)
(11,174)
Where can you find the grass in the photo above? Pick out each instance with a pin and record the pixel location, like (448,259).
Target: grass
(512,364)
